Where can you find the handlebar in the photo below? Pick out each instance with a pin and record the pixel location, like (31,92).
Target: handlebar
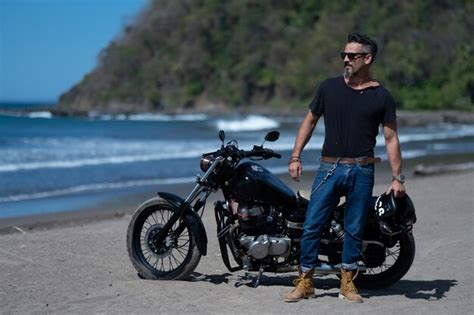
(260,152)
(257,151)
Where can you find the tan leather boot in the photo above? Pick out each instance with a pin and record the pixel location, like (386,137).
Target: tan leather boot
(304,287)
(348,290)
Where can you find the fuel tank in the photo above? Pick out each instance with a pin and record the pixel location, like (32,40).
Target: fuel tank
(253,182)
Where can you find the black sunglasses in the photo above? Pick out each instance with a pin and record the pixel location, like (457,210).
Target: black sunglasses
(351,56)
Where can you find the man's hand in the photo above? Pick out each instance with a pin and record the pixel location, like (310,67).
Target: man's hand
(295,169)
(397,188)
(304,134)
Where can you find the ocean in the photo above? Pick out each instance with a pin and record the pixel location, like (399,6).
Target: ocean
(55,164)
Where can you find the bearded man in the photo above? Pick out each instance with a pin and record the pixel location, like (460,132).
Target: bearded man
(354,106)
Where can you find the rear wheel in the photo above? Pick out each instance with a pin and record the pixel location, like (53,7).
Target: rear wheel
(398,260)
(174,259)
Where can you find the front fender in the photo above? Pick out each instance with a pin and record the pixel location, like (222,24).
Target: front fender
(191,218)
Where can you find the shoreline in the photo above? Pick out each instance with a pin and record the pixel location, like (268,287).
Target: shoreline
(125,203)
(410,118)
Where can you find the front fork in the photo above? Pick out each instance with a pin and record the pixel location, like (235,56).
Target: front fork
(182,206)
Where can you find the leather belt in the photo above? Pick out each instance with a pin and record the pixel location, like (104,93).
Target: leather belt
(345,160)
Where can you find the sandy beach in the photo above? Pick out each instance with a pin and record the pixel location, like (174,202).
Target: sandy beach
(78,263)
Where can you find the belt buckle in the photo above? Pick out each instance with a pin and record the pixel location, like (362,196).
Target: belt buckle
(363,160)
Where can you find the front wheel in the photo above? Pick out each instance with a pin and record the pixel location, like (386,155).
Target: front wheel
(398,260)
(174,259)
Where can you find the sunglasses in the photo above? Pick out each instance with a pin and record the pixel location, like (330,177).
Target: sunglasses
(351,56)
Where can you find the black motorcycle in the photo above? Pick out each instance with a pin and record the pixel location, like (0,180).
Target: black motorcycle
(259,222)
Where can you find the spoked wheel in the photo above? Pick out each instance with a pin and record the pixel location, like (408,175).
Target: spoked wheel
(174,258)
(398,260)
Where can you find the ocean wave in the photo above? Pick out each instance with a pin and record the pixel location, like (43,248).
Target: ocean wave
(108,116)
(248,123)
(36,152)
(97,187)
(277,169)
(151,117)
(418,136)
(46,153)
(162,117)
(37,114)
(42,114)
(451,134)
(60,153)
(410,154)
(13,167)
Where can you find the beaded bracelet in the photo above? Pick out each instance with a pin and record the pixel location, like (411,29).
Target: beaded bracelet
(294,159)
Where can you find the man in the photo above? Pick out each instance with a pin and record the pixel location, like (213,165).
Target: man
(353,105)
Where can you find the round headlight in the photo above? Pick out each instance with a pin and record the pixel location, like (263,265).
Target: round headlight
(206,161)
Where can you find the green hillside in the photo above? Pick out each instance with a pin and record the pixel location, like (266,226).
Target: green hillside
(190,54)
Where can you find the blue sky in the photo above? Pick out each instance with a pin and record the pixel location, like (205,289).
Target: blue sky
(46,46)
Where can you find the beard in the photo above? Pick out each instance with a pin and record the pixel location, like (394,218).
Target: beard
(347,72)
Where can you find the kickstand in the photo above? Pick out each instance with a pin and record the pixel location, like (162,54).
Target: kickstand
(260,272)
(247,278)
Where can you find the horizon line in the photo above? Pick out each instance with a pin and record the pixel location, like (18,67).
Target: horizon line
(26,102)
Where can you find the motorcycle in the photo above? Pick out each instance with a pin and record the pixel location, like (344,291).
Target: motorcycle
(259,222)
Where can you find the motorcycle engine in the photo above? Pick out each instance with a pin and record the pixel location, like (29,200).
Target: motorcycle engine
(262,246)
(256,225)
(255,219)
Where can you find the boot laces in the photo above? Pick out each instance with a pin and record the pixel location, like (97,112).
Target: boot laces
(303,283)
(350,286)
(351,283)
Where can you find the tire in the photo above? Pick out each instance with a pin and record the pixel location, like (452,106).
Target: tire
(172,261)
(401,256)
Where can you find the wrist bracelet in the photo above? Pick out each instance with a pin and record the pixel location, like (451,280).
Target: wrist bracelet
(294,160)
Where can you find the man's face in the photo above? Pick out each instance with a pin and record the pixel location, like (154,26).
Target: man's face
(355,58)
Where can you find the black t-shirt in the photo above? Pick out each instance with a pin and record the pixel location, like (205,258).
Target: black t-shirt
(351,117)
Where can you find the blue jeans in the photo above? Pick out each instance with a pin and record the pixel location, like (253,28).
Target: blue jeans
(356,183)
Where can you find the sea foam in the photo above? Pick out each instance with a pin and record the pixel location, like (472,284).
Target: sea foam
(97,187)
(248,123)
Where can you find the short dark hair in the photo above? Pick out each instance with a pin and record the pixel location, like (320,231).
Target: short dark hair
(365,41)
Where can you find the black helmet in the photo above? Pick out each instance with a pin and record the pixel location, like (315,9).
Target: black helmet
(395,215)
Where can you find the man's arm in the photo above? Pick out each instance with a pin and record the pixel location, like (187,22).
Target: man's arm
(304,134)
(392,145)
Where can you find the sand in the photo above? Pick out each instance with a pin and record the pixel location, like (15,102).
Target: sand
(80,265)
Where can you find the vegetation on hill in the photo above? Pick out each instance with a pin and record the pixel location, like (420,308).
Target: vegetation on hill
(273,53)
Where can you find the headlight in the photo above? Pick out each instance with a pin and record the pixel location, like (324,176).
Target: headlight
(206,161)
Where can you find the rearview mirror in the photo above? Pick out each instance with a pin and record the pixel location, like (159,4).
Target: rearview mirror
(272,136)
(222,135)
